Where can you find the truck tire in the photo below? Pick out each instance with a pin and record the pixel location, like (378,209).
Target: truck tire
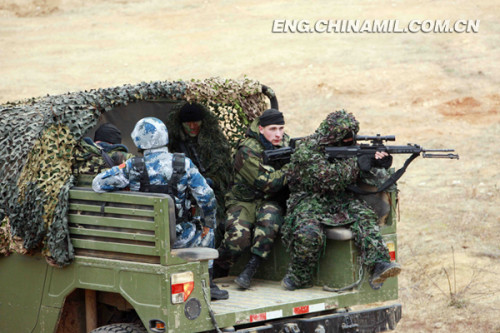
(120,328)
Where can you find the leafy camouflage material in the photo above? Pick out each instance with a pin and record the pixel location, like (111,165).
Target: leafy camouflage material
(89,161)
(46,130)
(319,198)
(210,148)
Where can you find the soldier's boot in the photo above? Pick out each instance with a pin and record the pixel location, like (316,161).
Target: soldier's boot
(215,292)
(383,271)
(244,279)
(288,283)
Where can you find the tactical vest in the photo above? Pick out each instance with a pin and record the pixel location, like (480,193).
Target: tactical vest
(178,164)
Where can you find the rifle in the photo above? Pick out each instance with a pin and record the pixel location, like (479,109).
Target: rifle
(377,144)
(281,154)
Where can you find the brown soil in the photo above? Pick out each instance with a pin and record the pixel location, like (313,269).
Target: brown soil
(438,90)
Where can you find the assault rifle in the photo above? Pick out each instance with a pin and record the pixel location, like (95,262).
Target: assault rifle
(377,144)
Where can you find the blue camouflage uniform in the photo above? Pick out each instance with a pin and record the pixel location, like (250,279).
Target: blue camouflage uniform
(151,135)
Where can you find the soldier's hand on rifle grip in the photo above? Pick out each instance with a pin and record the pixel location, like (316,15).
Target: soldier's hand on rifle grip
(382,160)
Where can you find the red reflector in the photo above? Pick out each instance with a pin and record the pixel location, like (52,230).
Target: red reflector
(393,255)
(177,288)
(301,309)
(257,317)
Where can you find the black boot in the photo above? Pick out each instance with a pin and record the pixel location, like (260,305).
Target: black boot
(215,292)
(384,270)
(243,280)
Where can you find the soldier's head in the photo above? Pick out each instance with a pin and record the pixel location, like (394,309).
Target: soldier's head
(272,126)
(338,129)
(150,133)
(108,133)
(191,117)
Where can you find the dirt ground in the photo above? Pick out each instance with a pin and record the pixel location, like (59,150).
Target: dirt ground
(438,90)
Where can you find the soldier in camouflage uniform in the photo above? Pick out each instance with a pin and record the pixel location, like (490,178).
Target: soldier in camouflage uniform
(90,154)
(254,214)
(319,198)
(158,166)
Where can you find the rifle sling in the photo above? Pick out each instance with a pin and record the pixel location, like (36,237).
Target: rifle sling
(107,159)
(389,182)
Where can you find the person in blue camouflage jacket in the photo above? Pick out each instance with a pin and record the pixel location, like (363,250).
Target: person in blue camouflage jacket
(319,198)
(151,136)
(253,207)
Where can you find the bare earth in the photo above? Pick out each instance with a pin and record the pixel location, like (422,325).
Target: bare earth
(438,90)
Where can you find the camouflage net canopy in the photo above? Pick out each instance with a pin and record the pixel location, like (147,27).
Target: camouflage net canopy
(37,144)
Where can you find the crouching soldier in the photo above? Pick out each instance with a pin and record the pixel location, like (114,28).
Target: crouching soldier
(319,198)
(163,172)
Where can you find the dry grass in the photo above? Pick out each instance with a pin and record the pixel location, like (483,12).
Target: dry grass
(438,90)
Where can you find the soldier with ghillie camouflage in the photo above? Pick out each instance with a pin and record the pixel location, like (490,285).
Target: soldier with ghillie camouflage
(195,132)
(319,198)
(254,214)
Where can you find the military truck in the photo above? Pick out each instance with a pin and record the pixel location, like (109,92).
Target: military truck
(118,271)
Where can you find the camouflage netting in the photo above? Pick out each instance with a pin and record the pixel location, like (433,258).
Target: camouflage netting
(38,138)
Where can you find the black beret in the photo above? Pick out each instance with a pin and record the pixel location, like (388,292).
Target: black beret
(271,117)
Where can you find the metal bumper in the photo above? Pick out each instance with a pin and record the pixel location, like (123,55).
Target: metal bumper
(378,319)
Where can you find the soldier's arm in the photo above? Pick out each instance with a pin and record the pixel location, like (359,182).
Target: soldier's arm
(251,166)
(312,170)
(201,192)
(112,179)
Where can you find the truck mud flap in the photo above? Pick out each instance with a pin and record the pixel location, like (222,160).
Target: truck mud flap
(378,319)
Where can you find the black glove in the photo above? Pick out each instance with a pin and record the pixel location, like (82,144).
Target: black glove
(385,162)
(365,162)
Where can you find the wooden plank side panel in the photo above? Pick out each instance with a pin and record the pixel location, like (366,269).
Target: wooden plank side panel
(135,236)
(119,197)
(111,210)
(114,247)
(111,222)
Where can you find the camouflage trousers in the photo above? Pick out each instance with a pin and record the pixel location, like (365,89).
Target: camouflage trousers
(304,236)
(252,225)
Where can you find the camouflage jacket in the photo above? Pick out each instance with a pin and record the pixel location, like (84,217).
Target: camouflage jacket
(252,178)
(319,186)
(89,160)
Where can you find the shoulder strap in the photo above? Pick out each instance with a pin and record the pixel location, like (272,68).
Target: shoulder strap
(178,165)
(139,165)
(390,181)
(107,159)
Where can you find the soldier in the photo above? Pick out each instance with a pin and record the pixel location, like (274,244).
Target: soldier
(105,151)
(194,131)
(174,174)
(254,214)
(319,198)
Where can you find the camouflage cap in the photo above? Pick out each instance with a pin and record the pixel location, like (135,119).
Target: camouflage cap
(336,126)
(150,133)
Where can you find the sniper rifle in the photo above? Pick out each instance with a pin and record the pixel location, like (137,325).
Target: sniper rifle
(357,150)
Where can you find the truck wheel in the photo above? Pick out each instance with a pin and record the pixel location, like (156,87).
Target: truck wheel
(120,328)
